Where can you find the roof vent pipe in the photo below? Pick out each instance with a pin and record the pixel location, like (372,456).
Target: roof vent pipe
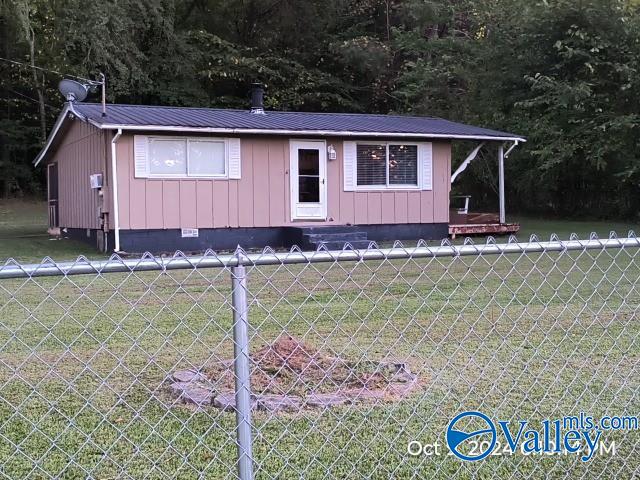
(257,98)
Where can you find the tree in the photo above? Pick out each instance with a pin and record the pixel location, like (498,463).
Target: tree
(562,73)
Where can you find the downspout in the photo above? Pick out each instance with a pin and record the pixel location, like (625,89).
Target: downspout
(114,182)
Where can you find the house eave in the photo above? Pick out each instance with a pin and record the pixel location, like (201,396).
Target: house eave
(68,108)
(323,133)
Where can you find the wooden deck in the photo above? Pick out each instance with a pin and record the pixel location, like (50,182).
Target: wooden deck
(483,229)
(477,223)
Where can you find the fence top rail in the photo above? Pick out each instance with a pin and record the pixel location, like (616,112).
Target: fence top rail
(180,261)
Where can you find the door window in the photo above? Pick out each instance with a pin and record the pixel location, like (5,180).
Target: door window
(308,175)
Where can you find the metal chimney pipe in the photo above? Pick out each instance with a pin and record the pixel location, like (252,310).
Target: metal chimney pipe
(103,85)
(257,98)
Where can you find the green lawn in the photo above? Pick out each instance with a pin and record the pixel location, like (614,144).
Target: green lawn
(86,367)
(23,233)
(83,362)
(564,228)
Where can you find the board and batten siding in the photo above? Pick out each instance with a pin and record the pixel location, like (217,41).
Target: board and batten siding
(260,198)
(81,153)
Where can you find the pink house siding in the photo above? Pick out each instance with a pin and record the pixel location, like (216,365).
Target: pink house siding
(81,153)
(427,206)
(261,197)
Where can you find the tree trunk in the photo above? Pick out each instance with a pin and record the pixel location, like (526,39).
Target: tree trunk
(31,38)
(4,139)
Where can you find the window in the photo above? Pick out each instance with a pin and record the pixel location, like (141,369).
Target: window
(206,157)
(372,164)
(182,156)
(167,157)
(403,165)
(387,165)
(308,175)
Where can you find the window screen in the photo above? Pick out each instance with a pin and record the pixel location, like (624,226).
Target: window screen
(372,164)
(383,165)
(206,158)
(167,157)
(403,164)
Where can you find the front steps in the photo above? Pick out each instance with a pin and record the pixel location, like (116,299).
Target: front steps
(331,238)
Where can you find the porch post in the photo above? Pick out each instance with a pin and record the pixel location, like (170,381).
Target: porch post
(501,181)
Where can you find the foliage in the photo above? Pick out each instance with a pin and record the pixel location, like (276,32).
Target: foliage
(580,107)
(564,73)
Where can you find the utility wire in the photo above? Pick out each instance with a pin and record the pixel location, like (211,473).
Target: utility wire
(48,70)
(31,98)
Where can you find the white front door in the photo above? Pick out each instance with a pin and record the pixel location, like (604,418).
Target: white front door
(308,180)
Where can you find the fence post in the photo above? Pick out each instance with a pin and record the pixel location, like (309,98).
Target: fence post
(242,371)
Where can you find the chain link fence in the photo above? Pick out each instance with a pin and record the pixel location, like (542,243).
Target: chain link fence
(347,364)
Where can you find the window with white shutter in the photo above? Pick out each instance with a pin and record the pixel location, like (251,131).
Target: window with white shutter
(349,157)
(375,165)
(425,164)
(234,163)
(140,147)
(184,157)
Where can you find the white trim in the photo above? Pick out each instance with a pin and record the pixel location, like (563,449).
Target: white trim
(472,155)
(114,183)
(515,144)
(294,145)
(349,156)
(388,186)
(187,140)
(382,188)
(234,158)
(501,183)
(425,166)
(324,133)
(52,135)
(248,131)
(140,157)
(225,144)
(73,110)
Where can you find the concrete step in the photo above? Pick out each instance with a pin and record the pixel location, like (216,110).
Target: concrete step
(335,237)
(340,245)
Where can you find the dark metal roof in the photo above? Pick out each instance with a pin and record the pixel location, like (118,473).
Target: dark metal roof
(131,116)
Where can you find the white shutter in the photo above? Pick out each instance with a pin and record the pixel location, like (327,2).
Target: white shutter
(141,150)
(234,158)
(349,162)
(425,162)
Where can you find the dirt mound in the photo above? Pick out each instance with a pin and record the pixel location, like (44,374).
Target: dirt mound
(288,353)
(290,372)
(291,366)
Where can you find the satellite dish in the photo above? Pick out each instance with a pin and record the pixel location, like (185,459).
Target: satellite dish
(73,91)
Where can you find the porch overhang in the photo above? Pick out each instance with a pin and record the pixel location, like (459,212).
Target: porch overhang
(501,180)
